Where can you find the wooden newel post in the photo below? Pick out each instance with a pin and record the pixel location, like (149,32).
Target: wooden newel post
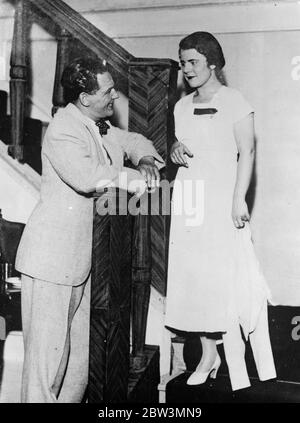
(152,88)
(141,282)
(110,308)
(18,78)
(64,48)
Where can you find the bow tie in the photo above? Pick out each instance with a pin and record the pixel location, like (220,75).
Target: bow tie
(102,126)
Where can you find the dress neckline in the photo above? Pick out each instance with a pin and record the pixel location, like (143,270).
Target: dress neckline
(216,94)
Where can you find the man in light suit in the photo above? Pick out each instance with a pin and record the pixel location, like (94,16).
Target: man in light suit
(54,254)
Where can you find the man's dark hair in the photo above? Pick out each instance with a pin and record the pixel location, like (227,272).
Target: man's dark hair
(206,44)
(81,76)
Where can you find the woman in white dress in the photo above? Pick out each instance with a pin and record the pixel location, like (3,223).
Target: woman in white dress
(215,285)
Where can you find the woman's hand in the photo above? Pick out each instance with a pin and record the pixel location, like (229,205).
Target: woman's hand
(178,154)
(240,213)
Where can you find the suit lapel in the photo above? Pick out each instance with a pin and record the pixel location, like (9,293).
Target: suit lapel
(114,152)
(75,112)
(96,142)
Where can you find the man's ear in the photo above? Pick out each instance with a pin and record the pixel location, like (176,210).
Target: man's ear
(84,99)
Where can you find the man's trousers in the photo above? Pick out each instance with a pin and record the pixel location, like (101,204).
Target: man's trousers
(55,321)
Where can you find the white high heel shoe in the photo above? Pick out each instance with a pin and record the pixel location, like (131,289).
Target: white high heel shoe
(197,378)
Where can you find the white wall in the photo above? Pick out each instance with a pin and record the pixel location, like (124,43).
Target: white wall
(259,40)
(15,202)
(19,188)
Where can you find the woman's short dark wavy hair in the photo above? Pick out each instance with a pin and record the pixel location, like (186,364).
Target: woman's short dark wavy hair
(81,76)
(206,44)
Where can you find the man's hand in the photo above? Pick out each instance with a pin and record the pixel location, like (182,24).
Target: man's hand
(179,152)
(149,171)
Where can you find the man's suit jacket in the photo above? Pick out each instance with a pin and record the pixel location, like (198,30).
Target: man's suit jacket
(56,244)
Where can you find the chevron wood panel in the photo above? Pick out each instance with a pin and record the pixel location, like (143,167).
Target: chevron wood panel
(151,103)
(100,262)
(152,94)
(118,360)
(97,365)
(159,248)
(141,281)
(110,309)
(109,356)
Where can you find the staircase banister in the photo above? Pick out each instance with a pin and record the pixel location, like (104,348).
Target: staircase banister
(148,61)
(80,28)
